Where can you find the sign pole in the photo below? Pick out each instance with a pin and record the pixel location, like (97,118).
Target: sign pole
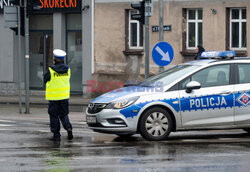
(19,59)
(146,39)
(161,17)
(145,8)
(26,57)
(146,47)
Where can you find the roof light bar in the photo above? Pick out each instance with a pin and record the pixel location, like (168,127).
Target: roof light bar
(218,55)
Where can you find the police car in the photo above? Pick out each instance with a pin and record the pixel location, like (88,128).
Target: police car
(209,93)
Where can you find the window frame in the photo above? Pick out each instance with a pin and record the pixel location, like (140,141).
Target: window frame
(240,21)
(130,21)
(196,21)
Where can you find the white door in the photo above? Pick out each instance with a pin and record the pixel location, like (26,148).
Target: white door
(213,104)
(242,95)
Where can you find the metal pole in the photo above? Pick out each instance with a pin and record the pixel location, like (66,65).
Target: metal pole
(27,57)
(161,17)
(19,59)
(146,43)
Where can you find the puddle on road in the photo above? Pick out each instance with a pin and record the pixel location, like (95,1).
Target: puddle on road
(58,160)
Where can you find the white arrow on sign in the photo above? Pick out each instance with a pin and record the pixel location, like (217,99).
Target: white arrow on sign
(165,56)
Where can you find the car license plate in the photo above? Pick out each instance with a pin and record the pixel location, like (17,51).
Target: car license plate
(91,119)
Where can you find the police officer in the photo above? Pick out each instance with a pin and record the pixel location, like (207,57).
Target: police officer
(57,80)
(199,51)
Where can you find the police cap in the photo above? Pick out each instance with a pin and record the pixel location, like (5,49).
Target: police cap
(59,54)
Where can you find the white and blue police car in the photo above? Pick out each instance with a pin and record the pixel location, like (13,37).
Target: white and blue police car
(209,93)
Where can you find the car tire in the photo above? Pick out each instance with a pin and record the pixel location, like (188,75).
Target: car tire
(155,124)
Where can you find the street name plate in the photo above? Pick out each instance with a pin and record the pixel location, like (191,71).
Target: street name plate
(165,28)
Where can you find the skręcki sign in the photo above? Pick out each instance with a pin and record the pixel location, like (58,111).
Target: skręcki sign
(49,6)
(58,3)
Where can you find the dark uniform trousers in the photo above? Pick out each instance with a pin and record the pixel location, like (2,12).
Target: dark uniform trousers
(58,111)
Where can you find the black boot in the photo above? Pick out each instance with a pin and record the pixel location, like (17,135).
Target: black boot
(70,134)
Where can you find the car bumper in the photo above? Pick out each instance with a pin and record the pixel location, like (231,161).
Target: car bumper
(111,121)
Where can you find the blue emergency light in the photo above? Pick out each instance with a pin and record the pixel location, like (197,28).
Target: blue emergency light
(217,54)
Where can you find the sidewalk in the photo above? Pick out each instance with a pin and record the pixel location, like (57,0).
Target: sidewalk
(75,100)
(36,114)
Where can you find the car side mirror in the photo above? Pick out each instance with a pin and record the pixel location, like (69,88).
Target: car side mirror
(193,85)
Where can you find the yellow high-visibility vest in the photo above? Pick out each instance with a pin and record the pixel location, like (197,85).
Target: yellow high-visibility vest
(58,88)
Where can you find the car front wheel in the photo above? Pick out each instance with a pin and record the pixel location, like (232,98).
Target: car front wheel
(155,124)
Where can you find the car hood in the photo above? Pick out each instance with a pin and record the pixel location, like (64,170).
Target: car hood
(126,92)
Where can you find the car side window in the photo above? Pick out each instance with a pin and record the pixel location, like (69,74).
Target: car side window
(173,88)
(213,76)
(244,71)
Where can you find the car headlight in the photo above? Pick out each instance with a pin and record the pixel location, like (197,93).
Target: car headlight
(120,104)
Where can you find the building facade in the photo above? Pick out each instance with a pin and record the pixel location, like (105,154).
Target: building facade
(105,45)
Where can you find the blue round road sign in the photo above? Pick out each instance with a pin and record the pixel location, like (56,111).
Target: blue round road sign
(162,53)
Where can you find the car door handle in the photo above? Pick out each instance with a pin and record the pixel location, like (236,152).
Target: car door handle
(225,93)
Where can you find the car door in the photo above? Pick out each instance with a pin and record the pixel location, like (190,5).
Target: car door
(242,94)
(213,104)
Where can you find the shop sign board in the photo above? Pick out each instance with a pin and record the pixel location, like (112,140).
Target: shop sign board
(50,6)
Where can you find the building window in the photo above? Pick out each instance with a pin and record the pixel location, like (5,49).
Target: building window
(238,28)
(193,28)
(74,50)
(135,33)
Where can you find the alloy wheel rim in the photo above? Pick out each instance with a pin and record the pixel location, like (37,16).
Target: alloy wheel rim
(156,124)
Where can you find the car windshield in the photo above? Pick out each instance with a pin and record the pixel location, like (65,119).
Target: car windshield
(169,75)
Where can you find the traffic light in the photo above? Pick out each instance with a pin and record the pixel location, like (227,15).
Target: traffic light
(17,3)
(140,6)
(15,29)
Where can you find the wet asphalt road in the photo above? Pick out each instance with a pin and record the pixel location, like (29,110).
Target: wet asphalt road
(24,146)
